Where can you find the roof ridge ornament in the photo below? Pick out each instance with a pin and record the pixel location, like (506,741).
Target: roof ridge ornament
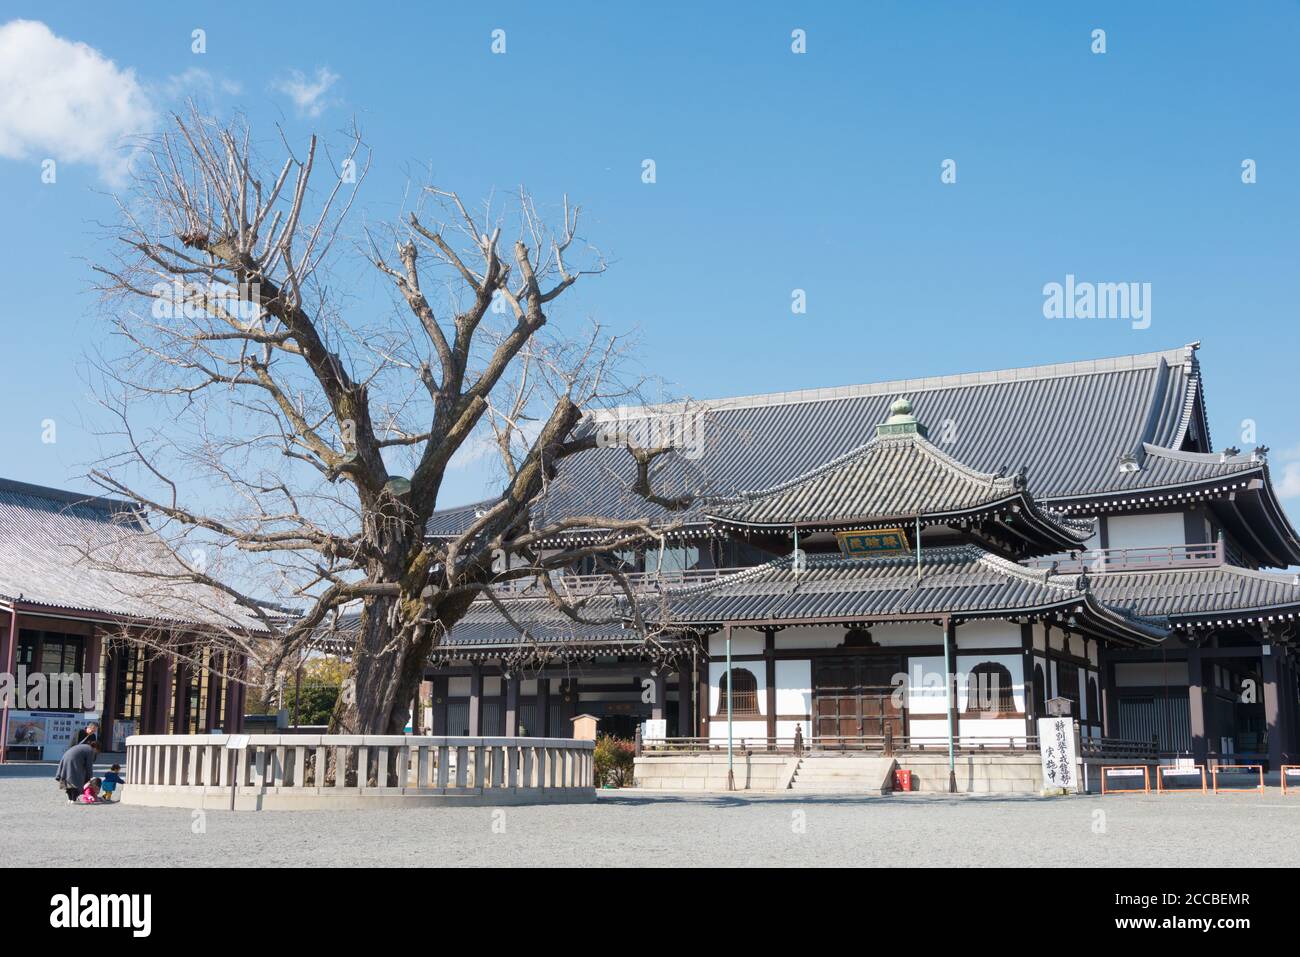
(901,421)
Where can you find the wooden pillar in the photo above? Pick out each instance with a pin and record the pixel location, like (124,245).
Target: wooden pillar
(1109,698)
(475,700)
(234,722)
(1291,701)
(685,727)
(109,706)
(512,705)
(769,656)
(660,691)
(439,698)
(543,707)
(1196,705)
(180,676)
(215,689)
(1273,707)
(569,711)
(703,699)
(950,640)
(163,672)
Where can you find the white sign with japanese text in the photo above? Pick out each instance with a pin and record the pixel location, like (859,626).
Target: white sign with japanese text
(1060,762)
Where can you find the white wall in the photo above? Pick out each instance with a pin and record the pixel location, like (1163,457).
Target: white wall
(926,691)
(1144,531)
(793,688)
(987,634)
(744,641)
(893,635)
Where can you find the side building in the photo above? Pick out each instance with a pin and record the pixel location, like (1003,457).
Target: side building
(84,641)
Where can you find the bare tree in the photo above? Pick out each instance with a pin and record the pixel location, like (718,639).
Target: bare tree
(290,439)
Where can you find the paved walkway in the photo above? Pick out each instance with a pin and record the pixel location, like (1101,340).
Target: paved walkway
(630,828)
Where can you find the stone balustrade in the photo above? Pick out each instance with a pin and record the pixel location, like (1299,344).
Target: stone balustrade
(274,771)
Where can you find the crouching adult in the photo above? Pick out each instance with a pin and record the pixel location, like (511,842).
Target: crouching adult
(77,767)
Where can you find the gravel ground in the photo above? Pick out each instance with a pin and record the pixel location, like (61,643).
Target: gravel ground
(630,828)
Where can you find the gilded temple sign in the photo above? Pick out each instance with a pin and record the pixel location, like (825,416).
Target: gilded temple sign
(873,543)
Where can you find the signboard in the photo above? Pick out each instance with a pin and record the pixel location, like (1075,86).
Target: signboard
(237,742)
(655,729)
(123,729)
(873,544)
(1058,707)
(50,732)
(1056,745)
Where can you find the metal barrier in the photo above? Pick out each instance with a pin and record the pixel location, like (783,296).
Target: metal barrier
(1290,771)
(1127,771)
(1258,788)
(1165,770)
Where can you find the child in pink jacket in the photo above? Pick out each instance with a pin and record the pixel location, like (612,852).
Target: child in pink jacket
(90,793)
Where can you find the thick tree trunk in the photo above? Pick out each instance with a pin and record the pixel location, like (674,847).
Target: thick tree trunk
(387,664)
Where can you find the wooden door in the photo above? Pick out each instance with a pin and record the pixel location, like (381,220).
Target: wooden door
(853,701)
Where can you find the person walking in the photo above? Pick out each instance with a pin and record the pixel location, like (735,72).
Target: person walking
(77,767)
(89,731)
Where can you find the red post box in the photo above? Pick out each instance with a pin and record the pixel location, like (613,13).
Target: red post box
(902,780)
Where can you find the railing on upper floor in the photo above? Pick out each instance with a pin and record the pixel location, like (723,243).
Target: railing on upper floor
(1133,559)
(580,585)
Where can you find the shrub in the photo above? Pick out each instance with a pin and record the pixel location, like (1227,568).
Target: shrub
(614,761)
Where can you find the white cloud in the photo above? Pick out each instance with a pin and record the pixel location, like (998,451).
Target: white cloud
(198,81)
(1288,483)
(308,95)
(66,101)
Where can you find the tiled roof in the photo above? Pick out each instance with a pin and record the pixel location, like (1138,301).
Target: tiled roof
(1224,591)
(963,581)
(1067,424)
(45,536)
(891,478)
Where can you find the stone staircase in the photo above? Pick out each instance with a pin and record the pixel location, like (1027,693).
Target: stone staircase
(850,773)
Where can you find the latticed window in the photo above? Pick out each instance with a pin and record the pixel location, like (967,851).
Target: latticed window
(988,688)
(744,691)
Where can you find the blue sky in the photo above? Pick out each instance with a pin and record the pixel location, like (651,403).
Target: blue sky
(775,172)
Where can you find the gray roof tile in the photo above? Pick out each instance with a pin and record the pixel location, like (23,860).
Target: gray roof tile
(46,534)
(1067,424)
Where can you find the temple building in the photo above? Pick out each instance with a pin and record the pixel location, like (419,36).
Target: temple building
(889,564)
(71,599)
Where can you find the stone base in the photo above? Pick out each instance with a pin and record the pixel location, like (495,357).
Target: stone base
(345,799)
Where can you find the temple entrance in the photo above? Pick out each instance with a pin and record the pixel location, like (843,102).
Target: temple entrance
(853,701)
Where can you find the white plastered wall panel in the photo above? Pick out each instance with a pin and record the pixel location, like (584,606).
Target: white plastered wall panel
(991,731)
(744,641)
(802,637)
(1148,530)
(926,690)
(907,633)
(988,634)
(793,686)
